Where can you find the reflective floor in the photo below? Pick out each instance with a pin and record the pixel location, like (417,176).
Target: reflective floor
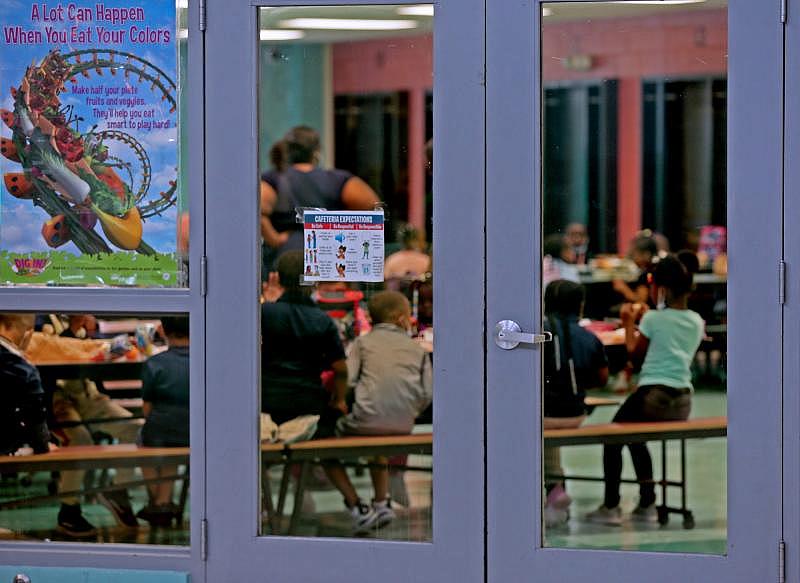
(706,496)
(324,515)
(39,522)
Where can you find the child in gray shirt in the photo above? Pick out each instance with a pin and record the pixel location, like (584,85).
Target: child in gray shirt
(393,381)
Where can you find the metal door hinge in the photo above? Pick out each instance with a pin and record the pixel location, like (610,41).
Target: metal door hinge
(204,539)
(782,282)
(203,15)
(783,11)
(781,562)
(203,276)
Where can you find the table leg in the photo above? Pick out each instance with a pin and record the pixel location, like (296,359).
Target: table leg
(299,492)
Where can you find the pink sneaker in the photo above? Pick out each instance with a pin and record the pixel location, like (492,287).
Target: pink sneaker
(558,498)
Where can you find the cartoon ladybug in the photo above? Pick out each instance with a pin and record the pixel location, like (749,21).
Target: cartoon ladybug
(56,232)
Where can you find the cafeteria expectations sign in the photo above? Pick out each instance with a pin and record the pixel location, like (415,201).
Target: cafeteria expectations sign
(343,245)
(89,143)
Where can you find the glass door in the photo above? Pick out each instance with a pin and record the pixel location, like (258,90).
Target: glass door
(346,439)
(629,146)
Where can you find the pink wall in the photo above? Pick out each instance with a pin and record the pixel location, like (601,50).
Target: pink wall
(688,44)
(628,49)
(397,64)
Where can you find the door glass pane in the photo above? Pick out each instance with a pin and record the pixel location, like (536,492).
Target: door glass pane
(91,192)
(345,127)
(109,394)
(634,272)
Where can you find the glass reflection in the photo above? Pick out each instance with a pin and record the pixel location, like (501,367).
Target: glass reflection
(634,275)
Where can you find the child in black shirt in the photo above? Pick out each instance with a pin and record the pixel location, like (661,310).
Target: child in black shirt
(573,362)
(23,414)
(165,392)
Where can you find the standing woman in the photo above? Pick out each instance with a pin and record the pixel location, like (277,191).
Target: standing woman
(297,181)
(665,345)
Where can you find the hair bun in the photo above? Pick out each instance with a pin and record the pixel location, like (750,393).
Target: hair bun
(689,261)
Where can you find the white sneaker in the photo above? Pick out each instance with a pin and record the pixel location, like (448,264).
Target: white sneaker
(608,516)
(554,517)
(385,513)
(645,514)
(364,518)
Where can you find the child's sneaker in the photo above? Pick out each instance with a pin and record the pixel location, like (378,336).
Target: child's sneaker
(363,517)
(604,515)
(554,517)
(558,498)
(72,523)
(647,514)
(384,512)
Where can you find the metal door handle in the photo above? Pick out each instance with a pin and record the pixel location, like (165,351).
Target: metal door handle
(508,335)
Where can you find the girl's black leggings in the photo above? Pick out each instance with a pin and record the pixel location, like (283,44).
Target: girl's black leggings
(648,403)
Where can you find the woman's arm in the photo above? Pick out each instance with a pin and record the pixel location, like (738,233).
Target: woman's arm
(358,196)
(268,232)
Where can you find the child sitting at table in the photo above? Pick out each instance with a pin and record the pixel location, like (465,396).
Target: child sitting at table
(165,392)
(666,343)
(644,253)
(573,362)
(393,384)
(23,412)
(80,411)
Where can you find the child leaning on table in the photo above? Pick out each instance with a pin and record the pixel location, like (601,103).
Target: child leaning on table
(573,362)
(165,392)
(393,384)
(666,344)
(23,412)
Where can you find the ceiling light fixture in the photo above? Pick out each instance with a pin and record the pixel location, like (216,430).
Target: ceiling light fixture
(346,24)
(660,2)
(416,10)
(272,34)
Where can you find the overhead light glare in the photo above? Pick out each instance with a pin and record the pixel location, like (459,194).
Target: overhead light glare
(183,3)
(274,34)
(347,24)
(660,2)
(416,10)
(547,12)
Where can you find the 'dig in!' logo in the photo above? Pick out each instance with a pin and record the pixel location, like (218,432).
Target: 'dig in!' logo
(29,266)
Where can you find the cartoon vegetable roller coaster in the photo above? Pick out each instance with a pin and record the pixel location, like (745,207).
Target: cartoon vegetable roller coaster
(73,176)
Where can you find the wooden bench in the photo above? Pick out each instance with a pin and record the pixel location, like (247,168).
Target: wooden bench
(308,453)
(663,431)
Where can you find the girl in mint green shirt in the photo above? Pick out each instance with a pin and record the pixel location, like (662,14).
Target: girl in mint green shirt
(665,345)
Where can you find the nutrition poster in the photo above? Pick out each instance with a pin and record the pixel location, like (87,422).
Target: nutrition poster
(343,245)
(89,142)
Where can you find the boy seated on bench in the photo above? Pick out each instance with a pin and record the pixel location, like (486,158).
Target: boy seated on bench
(23,413)
(165,391)
(393,384)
